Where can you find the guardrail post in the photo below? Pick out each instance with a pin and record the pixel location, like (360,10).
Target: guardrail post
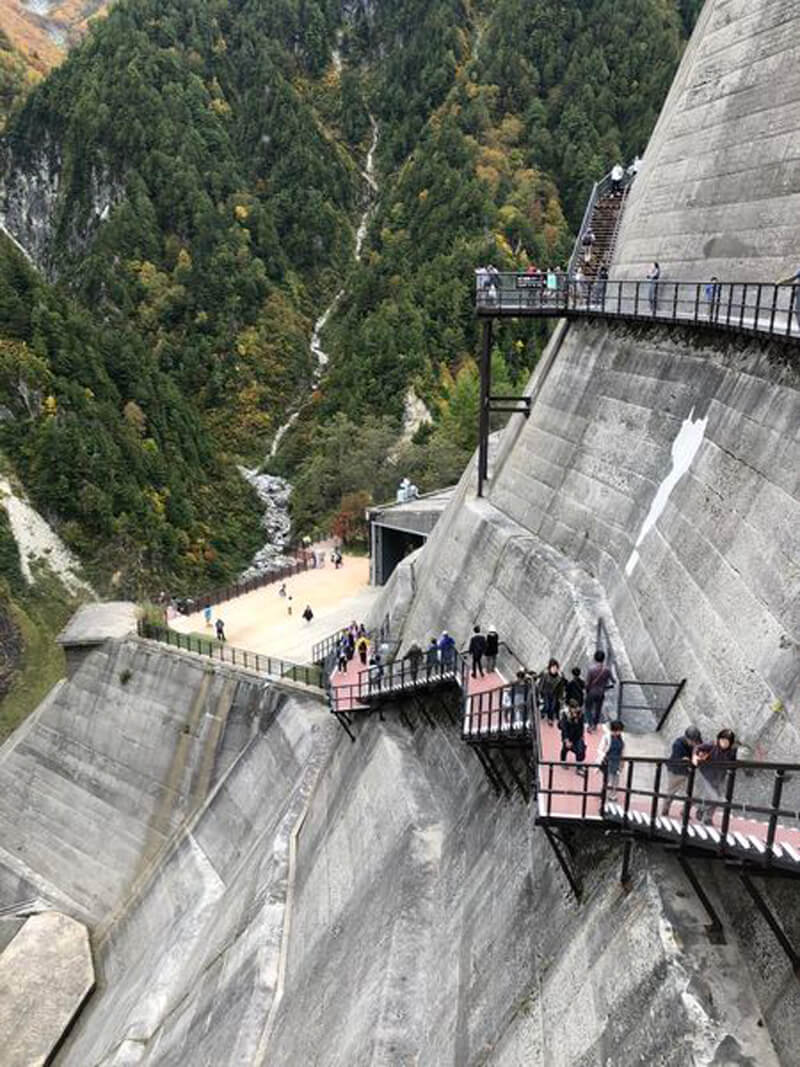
(730,782)
(774,309)
(772,825)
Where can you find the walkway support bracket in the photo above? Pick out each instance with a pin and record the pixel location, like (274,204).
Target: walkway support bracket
(560,849)
(772,922)
(714,929)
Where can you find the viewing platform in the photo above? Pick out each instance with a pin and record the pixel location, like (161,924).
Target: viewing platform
(740,307)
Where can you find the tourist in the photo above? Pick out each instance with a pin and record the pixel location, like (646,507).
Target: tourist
(477,648)
(710,759)
(282,590)
(432,658)
(634,167)
(652,293)
(362,648)
(571,727)
(342,655)
(587,241)
(415,656)
(617,174)
(447,651)
(609,755)
(598,679)
(794,280)
(220,628)
(492,648)
(350,639)
(207,614)
(602,282)
(712,295)
(551,691)
(575,689)
(289,599)
(679,765)
(308,614)
(375,669)
(520,698)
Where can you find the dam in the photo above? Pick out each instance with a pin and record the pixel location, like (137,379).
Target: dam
(261,888)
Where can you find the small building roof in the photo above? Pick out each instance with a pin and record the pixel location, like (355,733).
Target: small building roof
(94,623)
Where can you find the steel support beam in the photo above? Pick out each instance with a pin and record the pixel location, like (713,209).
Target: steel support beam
(714,929)
(772,922)
(557,844)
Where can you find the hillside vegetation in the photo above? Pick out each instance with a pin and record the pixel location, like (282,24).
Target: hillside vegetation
(189,182)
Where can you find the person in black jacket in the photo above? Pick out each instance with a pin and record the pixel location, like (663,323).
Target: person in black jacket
(477,647)
(571,726)
(551,691)
(679,765)
(575,688)
(711,760)
(492,648)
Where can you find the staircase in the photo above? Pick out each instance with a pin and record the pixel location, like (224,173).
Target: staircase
(603,215)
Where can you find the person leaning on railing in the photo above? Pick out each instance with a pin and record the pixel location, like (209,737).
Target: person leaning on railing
(679,765)
(652,293)
(794,280)
(710,759)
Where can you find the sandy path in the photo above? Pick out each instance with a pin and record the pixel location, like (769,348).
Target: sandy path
(259,621)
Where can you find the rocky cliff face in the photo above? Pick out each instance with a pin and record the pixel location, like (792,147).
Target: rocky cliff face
(33,210)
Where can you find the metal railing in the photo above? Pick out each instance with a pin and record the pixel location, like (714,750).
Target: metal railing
(271,666)
(600,190)
(741,307)
(505,713)
(742,808)
(657,698)
(188,605)
(398,678)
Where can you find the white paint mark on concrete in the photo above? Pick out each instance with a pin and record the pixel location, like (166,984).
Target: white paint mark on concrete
(684,449)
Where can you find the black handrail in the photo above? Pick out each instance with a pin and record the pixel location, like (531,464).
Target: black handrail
(188,605)
(742,307)
(260,662)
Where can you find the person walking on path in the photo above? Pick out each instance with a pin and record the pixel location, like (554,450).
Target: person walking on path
(477,648)
(617,174)
(602,282)
(598,679)
(308,614)
(289,604)
(376,670)
(712,295)
(587,241)
(362,648)
(794,280)
(207,615)
(571,726)
(415,656)
(609,755)
(492,648)
(551,691)
(220,628)
(342,655)
(432,659)
(282,590)
(520,698)
(710,759)
(679,765)
(447,651)
(652,292)
(575,689)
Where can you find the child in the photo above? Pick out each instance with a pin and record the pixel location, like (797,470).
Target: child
(609,755)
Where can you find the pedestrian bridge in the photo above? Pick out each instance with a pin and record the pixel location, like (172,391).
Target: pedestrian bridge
(739,307)
(756,821)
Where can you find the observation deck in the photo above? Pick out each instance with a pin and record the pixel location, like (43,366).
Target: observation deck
(756,308)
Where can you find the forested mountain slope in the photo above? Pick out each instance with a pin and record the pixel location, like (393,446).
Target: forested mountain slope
(189,182)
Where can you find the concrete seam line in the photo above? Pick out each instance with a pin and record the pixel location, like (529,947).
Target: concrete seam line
(283,955)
